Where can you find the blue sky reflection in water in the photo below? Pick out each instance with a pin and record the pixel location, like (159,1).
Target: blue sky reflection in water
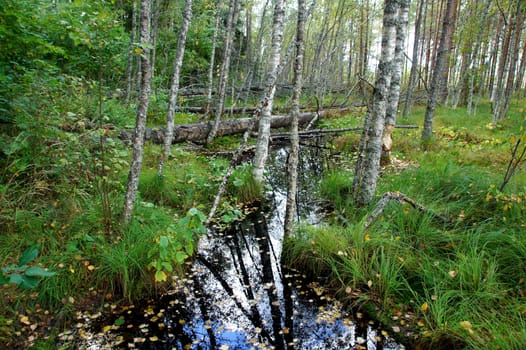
(236,295)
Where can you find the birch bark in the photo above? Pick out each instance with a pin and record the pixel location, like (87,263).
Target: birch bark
(415,61)
(212,60)
(142,111)
(129,66)
(438,69)
(292,166)
(367,167)
(225,66)
(261,154)
(174,89)
(396,77)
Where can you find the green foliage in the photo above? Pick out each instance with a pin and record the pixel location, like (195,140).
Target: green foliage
(243,187)
(42,41)
(22,274)
(180,187)
(462,283)
(177,244)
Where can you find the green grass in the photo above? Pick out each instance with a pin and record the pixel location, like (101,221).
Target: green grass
(461,283)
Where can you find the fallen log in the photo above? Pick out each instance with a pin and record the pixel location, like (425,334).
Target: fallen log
(319,132)
(199,131)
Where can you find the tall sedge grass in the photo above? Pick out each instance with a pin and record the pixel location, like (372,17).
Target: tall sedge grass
(464,280)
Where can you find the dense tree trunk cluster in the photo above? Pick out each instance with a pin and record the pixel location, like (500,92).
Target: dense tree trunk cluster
(459,52)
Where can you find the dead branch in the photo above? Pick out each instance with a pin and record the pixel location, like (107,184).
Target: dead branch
(399,198)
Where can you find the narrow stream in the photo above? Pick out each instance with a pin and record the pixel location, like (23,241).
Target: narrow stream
(237,295)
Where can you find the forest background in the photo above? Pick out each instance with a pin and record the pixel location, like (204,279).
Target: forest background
(73,74)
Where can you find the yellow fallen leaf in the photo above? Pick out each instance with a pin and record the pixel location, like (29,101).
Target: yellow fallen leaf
(154,339)
(25,320)
(106,329)
(424,307)
(467,326)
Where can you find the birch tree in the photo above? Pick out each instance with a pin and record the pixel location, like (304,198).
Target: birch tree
(438,69)
(225,67)
(368,163)
(174,89)
(394,86)
(261,154)
(211,66)
(414,62)
(292,166)
(131,54)
(142,111)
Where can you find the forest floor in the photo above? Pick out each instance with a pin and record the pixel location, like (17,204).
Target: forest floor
(433,284)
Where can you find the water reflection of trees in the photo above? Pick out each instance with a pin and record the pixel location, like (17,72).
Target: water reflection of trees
(248,260)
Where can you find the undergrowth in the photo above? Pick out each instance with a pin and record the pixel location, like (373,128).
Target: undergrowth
(459,284)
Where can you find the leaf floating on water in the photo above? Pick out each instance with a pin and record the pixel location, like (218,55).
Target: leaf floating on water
(154,339)
(119,322)
(224,347)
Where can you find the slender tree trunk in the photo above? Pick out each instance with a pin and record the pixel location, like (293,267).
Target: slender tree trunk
(261,154)
(514,57)
(437,77)
(155,27)
(131,54)
(292,169)
(415,62)
(474,57)
(211,67)
(142,111)
(368,164)
(396,78)
(502,71)
(225,66)
(522,68)
(494,54)
(174,90)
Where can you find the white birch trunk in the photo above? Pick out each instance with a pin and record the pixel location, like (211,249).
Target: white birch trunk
(225,67)
(174,89)
(438,69)
(212,60)
(415,62)
(366,175)
(131,54)
(142,111)
(396,77)
(261,154)
(292,169)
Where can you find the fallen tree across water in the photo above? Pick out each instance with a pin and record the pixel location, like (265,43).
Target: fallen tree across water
(199,131)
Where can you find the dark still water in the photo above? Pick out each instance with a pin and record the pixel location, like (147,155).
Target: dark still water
(237,295)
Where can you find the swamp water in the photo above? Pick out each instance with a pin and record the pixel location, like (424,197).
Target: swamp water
(237,295)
